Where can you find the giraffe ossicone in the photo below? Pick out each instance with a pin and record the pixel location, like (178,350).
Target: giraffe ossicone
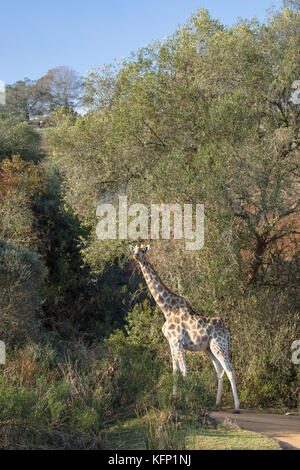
(185,329)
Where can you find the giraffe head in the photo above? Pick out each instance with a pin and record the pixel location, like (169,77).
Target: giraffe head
(139,252)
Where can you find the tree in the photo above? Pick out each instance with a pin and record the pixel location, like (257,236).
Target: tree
(24,99)
(213,106)
(292,4)
(61,87)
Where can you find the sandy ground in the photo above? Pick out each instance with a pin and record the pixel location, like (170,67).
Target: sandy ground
(285,429)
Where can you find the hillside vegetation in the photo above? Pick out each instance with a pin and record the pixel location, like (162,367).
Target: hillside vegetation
(206,116)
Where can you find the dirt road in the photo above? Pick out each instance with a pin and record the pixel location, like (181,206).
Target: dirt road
(285,429)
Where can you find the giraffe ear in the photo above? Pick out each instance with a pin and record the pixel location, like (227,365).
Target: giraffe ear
(131,248)
(147,248)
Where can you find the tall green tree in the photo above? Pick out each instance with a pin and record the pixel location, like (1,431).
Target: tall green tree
(25,99)
(212,105)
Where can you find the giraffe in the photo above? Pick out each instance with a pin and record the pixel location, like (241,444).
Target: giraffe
(186,329)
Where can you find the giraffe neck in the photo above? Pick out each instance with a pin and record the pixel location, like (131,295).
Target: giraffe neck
(167,300)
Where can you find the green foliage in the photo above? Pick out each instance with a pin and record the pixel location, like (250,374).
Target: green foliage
(17,137)
(144,324)
(211,105)
(27,99)
(163,432)
(263,327)
(139,366)
(144,372)
(86,420)
(20,182)
(16,402)
(22,274)
(194,399)
(204,104)
(17,220)
(69,293)
(24,99)
(44,409)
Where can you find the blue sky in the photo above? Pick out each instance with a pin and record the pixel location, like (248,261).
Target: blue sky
(38,35)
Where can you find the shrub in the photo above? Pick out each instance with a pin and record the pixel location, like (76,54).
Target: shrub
(47,401)
(263,327)
(20,182)
(22,274)
(18,138)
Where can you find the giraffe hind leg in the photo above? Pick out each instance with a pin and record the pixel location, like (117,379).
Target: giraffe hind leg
(221,351)
(220,374)
(175,370)
(178,356)
(178,361)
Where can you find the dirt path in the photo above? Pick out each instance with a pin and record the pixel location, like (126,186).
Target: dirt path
(285,429)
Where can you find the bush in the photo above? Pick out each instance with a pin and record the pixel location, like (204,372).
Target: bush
(22,274)
(18,138)
(263,328)
(20,183)
(49,401)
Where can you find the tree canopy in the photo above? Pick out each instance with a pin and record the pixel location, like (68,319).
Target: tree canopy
(61,86)
(211,105)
